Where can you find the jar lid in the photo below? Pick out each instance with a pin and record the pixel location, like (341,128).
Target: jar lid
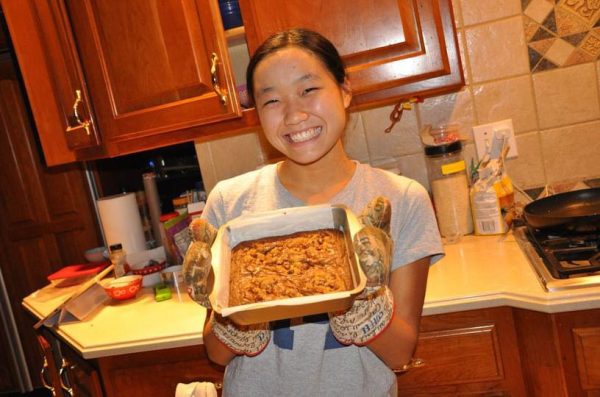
(443,149)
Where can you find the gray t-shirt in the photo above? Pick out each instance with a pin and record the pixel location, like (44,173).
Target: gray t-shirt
(303,358)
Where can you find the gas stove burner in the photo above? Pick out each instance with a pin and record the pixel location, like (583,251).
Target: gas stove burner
(569,253)
(567,261)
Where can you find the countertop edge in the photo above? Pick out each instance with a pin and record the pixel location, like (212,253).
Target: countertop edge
(515,300)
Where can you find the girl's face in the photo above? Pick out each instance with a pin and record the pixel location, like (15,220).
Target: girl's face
(301,106)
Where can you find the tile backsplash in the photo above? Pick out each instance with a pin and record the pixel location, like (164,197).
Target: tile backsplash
(552,96)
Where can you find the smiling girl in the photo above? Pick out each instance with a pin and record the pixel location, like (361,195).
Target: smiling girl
(299,86)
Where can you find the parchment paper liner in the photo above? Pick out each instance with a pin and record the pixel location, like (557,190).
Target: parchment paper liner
(279,223)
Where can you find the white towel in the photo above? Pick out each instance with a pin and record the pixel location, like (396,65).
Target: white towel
(196,389)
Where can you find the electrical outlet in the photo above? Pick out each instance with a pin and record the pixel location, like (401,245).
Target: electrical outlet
(483,135)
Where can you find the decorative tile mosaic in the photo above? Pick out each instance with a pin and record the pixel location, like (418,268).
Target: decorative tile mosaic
(561,32)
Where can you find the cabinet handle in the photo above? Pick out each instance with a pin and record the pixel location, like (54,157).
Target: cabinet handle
(62,374)
(214,59)
(43,378)
(85,124)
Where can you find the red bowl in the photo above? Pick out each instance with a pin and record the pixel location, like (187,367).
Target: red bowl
(123,288)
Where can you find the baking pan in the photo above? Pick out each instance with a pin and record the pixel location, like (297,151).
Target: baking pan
(280,223)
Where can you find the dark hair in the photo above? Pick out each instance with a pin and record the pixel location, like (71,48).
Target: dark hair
(305,39)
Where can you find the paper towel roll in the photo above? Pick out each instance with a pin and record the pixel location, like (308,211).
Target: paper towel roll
(121,222)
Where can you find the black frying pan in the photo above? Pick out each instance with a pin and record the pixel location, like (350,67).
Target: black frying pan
(568,209)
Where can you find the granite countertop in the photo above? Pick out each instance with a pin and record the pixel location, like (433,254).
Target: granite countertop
(478,272)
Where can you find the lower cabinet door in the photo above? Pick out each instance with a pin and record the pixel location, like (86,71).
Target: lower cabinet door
(78,377)
(579,343)
(467,353)
(157,373)
(49,372)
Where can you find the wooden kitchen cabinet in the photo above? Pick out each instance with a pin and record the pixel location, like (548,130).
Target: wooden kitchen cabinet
(499,351)
(49,64)
(152,373)
(563,349)
(156,373)
(143,70)
(64,372)
(79,378)
(579,339)
(49,373)
(153,66)
(466,353)
(133,70)
(392,49)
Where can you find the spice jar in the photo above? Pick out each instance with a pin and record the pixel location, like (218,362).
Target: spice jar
(450,189)
(118,258)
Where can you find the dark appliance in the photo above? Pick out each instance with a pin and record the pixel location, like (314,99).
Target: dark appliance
(561,238)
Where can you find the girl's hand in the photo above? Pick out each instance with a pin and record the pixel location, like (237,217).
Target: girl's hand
(373,310)
(197,273)
(197,267)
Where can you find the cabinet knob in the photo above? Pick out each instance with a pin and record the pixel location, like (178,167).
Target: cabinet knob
(214,59)
(85,124)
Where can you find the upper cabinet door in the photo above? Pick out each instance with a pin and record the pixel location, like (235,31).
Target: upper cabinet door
(53,77)
(392,48)
(153,66)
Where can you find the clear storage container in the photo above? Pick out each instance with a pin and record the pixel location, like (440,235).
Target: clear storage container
(450,189)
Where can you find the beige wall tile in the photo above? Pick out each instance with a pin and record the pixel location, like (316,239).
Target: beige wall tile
(559,52)
(446,109)
(538,10)
(506,99)
(355,140)
(566,96)
(227,157)
(527,169)
(478,11)
(403,139)
(469,154)
(390,164)
(572,152)
(413,166)
(497,50)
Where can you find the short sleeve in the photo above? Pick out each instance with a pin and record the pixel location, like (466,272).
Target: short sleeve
(414,227)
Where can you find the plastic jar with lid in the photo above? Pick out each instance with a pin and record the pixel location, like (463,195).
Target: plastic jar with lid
(118,258)
(450,190)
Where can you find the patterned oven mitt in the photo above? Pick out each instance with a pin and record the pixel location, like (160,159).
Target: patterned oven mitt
(373,309)
(241,339)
